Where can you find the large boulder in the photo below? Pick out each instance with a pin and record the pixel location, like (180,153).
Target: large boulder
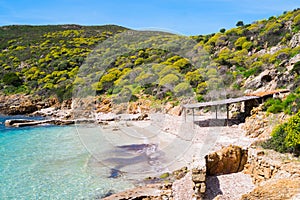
(228,160)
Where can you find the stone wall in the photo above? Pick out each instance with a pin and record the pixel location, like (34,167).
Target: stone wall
(199,178)
(263,165)
(259,167)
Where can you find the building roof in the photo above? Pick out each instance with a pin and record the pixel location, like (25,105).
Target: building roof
(267,93)
(257,95)
(220,102)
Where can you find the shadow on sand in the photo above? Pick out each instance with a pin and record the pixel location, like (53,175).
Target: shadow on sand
(217,122)
(212,188)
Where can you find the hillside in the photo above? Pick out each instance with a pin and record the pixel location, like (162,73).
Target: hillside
(44,60)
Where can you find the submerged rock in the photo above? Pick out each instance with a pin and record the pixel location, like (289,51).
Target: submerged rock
(114,173)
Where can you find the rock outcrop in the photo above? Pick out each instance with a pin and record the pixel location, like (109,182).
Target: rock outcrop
(20,104)
(295,41)
(228,160)
(264,165)
(260,124)
(281,189)
(24,123)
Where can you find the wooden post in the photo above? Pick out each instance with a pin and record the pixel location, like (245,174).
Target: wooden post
(227,109)
(193,115)
(216,112)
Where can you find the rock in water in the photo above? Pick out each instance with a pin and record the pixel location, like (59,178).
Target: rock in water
(228,160)
(114,173)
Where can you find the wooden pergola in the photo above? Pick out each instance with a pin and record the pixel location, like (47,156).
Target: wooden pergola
(227,102)
(217,103)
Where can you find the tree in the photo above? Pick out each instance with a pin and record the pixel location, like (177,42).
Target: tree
(222,30)
(240,23)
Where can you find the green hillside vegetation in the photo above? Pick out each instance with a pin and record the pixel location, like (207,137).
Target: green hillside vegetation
(44,60)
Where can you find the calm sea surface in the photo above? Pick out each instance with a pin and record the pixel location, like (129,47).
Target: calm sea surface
(49,162)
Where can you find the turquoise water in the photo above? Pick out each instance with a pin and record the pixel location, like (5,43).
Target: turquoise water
(50,163)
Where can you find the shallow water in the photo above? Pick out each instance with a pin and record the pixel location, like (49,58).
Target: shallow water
(50,162)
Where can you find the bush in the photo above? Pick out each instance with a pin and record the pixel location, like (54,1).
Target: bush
(272,27)
(222,30)
(240,23)
(277,141)
(290,105)
(273,106)
(202,88)
(292,139)
(200,98)
(297,20)
(170,79)
(194,78)
(247,45)
(286,137)
(182,88)
(239,42)
(251,71)
(12,78)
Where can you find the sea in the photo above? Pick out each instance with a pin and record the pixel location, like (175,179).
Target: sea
(50,162)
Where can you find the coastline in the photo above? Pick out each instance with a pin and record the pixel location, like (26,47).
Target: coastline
(222,186)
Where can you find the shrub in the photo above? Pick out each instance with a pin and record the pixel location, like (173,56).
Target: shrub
(125,95)
(272,27)
(273,106)
(170,79)
(240,23)
(224,56)
(290,105)
(202,88)
(239,42)
(182,88)
(247,45)
(194,78)
(169,69)
(292,139)
(286,136)
(12,78)
(139,61)
(277,141)
(200,98)
(145,78)
(183,64)
(297,20)
(251,71)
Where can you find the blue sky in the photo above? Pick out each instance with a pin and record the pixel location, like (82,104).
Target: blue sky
(188,17)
